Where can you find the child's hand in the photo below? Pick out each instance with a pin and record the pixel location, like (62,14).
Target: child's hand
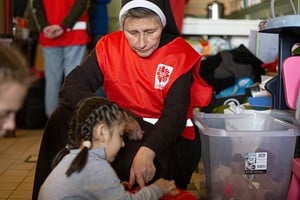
(126,185)
(168,187)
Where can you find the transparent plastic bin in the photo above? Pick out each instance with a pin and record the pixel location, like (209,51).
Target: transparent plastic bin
(246,156)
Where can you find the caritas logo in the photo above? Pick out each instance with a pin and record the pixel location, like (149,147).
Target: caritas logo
(162,76)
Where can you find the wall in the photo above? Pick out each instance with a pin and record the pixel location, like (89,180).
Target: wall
(194,8)
(232,10)
(263,11)
(198,7)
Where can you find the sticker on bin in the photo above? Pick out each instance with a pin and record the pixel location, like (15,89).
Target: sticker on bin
(256,163)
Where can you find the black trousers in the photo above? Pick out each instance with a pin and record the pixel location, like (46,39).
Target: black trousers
(54,139)
(177,163)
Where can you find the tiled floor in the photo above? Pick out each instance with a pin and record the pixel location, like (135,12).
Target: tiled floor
(17,166)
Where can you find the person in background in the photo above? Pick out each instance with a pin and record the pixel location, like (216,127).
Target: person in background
(15,80)
(148,70)
(63,26)
(98,17)
(83,169)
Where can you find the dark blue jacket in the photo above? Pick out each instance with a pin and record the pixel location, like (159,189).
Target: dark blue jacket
(98,17)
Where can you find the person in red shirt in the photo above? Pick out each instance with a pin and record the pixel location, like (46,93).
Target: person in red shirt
(63,27)
(147,69)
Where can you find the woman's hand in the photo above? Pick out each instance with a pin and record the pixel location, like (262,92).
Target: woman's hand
(133,129)
(53,31)
(142,168)
(48,32)
(57,30)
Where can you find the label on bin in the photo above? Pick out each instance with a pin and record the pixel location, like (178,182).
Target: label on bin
(256,163)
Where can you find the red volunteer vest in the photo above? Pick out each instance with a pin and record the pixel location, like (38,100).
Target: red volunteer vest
(144,95)
(56,11)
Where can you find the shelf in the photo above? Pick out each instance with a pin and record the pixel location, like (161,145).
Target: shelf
(221,27)
(263,10)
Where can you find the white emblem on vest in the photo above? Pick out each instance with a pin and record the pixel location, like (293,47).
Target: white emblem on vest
(162,76)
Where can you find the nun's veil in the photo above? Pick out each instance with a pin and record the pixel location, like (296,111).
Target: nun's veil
(165,6)
(171,24)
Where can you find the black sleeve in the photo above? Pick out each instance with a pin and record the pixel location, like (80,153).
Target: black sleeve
(82,82)
(39,14)
(75,13)
(173,119)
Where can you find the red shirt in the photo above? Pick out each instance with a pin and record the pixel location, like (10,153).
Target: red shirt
(56,11)
(144,96)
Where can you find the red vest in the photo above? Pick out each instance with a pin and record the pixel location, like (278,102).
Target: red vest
(141,84)
(56,11)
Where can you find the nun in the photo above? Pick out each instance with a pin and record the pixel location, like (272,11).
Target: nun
(146,67)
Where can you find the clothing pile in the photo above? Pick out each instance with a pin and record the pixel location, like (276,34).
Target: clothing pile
(224,69)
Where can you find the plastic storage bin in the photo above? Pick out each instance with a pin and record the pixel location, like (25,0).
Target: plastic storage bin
(246,156)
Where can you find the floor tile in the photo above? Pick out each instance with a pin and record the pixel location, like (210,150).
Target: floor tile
(17,164)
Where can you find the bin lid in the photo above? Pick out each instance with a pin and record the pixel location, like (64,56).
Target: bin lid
(233,125)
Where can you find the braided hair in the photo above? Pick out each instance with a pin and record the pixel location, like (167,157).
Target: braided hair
(89,112)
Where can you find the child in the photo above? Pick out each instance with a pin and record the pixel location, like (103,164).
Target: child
(95,137)
(15,80)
